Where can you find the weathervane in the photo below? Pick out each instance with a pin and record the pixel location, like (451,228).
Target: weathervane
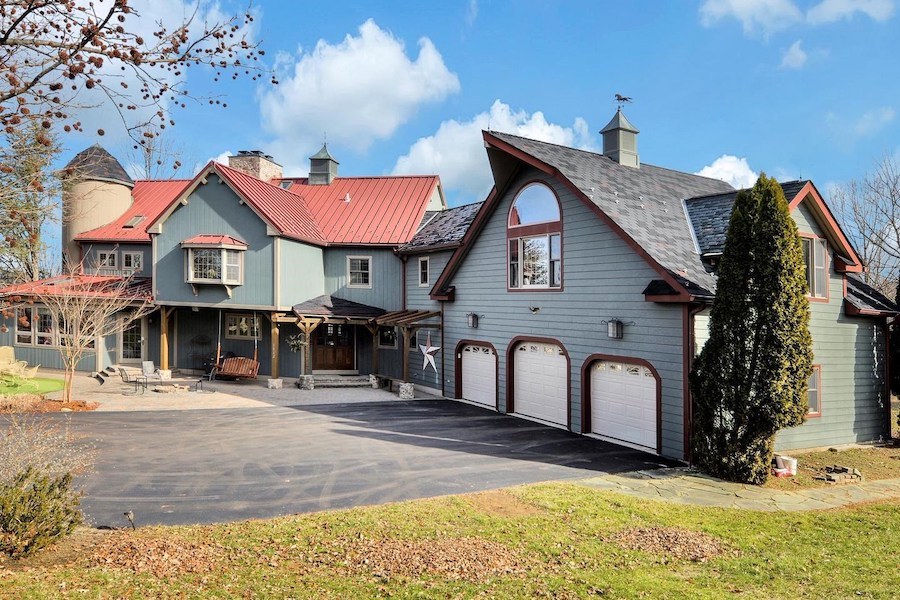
(623,100)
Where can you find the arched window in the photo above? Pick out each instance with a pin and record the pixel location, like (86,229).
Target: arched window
(534,241)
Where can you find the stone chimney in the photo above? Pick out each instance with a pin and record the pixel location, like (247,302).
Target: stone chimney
(322,167)
(620,141)
(255,163)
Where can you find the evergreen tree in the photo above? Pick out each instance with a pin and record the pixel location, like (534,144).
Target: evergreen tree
(750,380)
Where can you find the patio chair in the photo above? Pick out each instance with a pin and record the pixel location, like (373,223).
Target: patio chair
(135,377)
(8,363)
(150,371)
(30,372)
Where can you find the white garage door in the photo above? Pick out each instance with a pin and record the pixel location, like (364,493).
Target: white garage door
(479,375)
(541,382)
(623,403)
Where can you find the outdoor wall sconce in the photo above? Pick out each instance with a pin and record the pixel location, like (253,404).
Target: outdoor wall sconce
(615,328)
(472,320)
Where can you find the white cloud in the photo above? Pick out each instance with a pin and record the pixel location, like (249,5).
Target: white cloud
(830,11)
(766,16)
(357,91)
(731,169)
(471,12)
(794,57)
(456,150)
(874,121)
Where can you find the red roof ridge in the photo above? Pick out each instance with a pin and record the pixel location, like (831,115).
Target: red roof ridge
(432,176)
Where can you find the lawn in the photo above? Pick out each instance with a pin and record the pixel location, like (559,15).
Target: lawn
(38,385)
(555,540)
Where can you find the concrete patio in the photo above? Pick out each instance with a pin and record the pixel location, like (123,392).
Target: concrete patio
(116,395)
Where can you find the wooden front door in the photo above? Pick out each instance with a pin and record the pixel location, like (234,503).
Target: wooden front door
(333,349)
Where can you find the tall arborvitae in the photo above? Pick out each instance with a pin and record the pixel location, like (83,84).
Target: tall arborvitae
(750,380)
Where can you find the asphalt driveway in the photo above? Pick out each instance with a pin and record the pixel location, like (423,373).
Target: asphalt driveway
(180,467)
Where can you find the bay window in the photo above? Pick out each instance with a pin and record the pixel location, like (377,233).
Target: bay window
(215,265)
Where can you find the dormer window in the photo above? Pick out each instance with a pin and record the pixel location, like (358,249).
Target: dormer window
(534,239)
(214,259)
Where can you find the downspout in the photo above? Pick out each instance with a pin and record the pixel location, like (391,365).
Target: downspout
(403,259)
(887,375)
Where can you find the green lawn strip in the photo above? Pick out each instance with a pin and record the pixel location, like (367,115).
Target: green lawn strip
(873,462)
(38,385)
(567,547)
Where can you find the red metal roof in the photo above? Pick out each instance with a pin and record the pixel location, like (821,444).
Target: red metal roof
(367,210)
(213,239)
(350,210)
(138,289)
(288,213)
(150,199)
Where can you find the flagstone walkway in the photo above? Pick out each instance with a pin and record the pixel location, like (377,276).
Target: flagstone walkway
(689,487)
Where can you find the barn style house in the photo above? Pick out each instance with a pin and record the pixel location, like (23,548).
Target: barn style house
(577,294)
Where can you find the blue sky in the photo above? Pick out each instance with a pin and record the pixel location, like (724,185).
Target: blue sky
(790,87)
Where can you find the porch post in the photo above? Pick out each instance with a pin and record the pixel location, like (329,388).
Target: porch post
(275,345)
(163,338)
(373,329)
(307,327)
(406,333)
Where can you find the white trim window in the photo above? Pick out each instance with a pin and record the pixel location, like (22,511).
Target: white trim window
(106,260)
(215,265)
(241,326)
(814,395)
(815,256)
(359,271)
(424,271)
(24,327)
(132,262)
(36,326)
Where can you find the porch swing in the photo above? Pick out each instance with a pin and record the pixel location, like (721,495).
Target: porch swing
(236,367)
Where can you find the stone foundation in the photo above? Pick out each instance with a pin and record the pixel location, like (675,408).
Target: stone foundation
(407,391)
(373,381)
(306,382)
(274,384)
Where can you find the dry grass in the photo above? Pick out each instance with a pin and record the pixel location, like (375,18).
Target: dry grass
(882,462)
(671,542)
(47,445)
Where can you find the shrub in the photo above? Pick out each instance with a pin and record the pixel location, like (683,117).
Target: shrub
(750,379)
(36,509)
(46,444)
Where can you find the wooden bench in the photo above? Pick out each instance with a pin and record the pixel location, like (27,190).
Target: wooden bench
(236,367)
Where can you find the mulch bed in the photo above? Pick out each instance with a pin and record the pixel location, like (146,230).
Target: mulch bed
(31,403)
(672,542)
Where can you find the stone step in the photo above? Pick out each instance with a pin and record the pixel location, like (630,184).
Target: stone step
(337,381)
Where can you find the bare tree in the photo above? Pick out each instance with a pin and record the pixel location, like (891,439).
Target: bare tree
(29,194)
(57,56)
(159,156)
(82,309)
(870,211)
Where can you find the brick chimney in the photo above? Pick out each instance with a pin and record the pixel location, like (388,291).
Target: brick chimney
(255,163)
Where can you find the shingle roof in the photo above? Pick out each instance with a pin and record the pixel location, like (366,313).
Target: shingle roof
(645,202)
(711,214)
(445,230)
(332,306)
(149,200)
(367,210)
(96,163)
(866,298)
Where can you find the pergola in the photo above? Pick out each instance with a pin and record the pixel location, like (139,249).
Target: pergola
(408,321)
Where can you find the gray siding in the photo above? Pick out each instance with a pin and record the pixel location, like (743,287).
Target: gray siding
(418,372)
(92,257)
(850,351)
(389,363)
(386,277)
(48,357)
(418,297)
(214,208)
(301,273)
(603,278)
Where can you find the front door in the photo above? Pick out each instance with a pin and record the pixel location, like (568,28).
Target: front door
(132,341)
(333,349)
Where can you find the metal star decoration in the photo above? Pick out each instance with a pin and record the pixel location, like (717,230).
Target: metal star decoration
(428,353)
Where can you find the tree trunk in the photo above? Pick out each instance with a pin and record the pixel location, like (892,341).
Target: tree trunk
(67,383)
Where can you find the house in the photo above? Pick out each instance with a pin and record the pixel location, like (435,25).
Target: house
(590,277)
(577,294)
(241,258)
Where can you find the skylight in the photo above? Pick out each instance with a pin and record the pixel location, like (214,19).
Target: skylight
(133,221)
(285,184)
